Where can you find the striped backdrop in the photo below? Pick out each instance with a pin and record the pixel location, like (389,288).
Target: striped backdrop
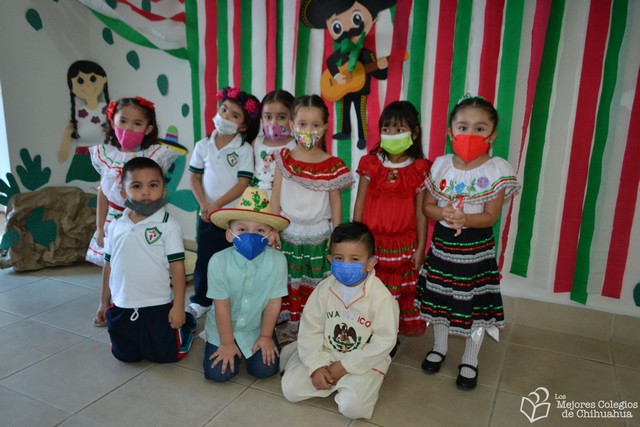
(563,75)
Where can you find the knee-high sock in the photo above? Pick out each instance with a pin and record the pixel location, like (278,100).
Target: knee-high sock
(470,356)
(440,342)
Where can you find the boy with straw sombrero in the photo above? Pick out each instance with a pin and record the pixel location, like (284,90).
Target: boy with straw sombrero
(247,283)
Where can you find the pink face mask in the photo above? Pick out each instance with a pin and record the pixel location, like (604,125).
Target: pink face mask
(128,139)
(276,132)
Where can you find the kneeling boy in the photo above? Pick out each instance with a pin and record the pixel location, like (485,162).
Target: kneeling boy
(348,327)
(247,283)
(144,246)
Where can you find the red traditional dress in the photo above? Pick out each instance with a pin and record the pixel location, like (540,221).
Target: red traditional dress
(304,199)
(390,213)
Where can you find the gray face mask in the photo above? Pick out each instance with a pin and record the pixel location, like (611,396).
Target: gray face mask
(144,209)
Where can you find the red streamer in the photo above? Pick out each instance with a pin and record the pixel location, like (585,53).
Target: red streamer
(211,64)
(490,54)
(592,63)
(625,205)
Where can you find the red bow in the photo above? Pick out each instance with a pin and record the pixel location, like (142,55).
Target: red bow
(145,103)
(111,110)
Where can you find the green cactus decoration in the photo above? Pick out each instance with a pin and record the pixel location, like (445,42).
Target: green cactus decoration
(43,232)
(8,189)
(32,174)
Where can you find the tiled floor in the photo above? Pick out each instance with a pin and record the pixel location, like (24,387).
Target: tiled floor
(56,369)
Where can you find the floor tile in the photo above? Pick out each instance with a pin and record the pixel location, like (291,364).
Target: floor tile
(569,319)
(629,380)
(39,296)
(75,377)
(411,398)
(21,411)
(25,342)
(625,330)
(83,273)
(257,408)
(626,355)
(78,421)
(586,348)
(74,316)
(7,319)
(526,369)
(165,395)
(507,413)
(12,279)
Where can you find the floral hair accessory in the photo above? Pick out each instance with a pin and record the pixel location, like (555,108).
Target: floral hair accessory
(245,100)
(145,103)
(467,96)
(111,109)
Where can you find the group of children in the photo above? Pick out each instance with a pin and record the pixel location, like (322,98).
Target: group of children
(272,247)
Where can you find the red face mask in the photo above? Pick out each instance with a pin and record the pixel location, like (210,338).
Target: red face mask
(470,147)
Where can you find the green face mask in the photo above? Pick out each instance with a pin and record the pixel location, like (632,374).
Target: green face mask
(396,144)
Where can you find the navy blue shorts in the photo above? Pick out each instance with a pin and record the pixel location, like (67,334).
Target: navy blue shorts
(145,333)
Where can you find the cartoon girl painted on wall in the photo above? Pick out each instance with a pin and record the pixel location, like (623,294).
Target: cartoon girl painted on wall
(88,82)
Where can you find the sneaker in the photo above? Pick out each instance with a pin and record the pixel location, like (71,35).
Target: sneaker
(197,310)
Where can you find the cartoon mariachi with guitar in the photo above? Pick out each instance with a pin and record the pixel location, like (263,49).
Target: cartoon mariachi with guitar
(347,78)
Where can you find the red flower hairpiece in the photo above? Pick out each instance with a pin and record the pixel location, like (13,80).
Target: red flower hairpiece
(111,110)
(251,106)
(146,103)
(233,92)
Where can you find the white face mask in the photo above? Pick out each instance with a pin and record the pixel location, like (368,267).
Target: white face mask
(224,126)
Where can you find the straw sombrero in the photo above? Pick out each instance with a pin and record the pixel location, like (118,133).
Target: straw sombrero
(254,206)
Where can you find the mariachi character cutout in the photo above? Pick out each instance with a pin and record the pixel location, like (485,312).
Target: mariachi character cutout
(89,93)
(350,68)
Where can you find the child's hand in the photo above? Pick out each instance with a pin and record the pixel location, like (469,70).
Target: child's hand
(321,379)
(100,320)
(274,241)
(337,371)
(100,237)
(269,350)
(225,355)
(417,258)
(177,316)
(455,217)
(206,210)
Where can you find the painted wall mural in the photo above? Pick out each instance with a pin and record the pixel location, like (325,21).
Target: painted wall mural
(563,76)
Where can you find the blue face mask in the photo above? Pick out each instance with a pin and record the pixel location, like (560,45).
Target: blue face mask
(348,273)
(250,245)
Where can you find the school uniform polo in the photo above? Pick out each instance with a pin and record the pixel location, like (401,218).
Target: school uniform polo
(249,285)
(139,255)
(221,169)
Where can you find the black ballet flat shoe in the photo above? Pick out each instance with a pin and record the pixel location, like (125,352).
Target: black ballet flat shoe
(394,350)
(432,367)
(464,382)
(341,136)
(361,144)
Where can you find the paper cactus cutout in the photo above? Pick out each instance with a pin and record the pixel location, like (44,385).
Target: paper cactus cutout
(32,174)
(10,238)
(43,232)
(8,189)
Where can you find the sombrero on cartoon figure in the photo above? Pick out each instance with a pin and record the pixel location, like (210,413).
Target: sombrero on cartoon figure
(254,206)
(315,13)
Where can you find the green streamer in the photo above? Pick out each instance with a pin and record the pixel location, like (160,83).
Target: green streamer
(537,140)
(609,80)
(460,54)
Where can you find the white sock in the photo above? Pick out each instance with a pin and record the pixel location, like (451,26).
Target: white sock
(440,342)
(470,356)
